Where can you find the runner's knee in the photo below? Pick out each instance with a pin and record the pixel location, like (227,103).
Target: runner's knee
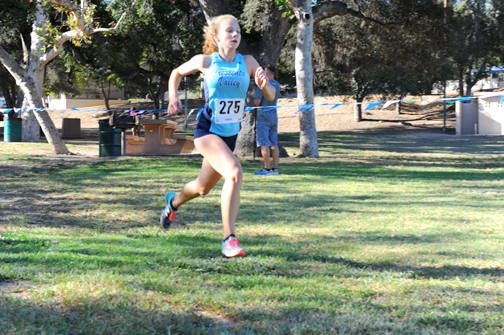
(235,175)
(203,189)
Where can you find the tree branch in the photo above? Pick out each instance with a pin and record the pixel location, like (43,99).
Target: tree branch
(26,52)
(365,18)
(58,46)
(11,65)
(66,3)
(329,9)
(81,30)
(212,8)
(113,30)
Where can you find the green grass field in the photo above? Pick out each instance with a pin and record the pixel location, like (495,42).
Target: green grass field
(382,235)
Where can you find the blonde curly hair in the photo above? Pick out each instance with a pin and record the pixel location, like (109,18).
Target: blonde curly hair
(210,45)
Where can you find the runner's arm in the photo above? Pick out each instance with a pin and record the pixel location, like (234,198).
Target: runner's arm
(257,72)
(195,64)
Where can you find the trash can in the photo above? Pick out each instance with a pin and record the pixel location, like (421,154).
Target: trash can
(71,128)
(12,129)
(110,139)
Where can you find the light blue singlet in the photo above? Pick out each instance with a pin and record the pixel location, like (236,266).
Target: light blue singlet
(225,84)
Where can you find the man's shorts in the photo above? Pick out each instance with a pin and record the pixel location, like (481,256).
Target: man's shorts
(267,133)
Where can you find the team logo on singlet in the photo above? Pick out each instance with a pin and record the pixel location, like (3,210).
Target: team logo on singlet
(226,77)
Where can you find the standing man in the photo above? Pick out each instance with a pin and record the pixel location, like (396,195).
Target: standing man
(267,125)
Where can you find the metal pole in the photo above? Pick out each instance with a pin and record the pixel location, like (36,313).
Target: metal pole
(185,106)
(445,19)
(255,136)
(123,140)
(491,78)
(444,109)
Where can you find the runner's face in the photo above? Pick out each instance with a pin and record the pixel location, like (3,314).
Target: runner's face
(229,34)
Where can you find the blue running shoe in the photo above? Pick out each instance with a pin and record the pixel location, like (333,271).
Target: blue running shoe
(275,172)
(231,248)
(264,172)
(169,214)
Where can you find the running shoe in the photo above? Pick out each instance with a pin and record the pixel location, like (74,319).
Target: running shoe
(231,248)
(169,214)
(275,171)
(264,172)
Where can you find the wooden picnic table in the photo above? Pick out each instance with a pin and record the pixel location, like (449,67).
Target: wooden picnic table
(159,139)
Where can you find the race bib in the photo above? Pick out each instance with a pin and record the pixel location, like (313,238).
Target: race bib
(229,110)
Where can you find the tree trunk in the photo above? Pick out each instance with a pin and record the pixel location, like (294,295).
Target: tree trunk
(106,96)
(155,94)
(19,100)
(468,92)
(159,93)
(358,110)
(398,107)
(32,89)
(304,79)
(9,93)
(31,85)
(246,142)
(33,116)
(461,83)
(51,133)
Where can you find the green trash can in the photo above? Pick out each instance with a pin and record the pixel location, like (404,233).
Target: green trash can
(110,139)
(12,129)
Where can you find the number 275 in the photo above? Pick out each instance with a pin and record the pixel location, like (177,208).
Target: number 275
(227,106)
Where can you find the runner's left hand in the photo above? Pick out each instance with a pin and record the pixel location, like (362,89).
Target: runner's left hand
(260,78)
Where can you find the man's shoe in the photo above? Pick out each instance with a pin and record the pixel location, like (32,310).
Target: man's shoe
(275,172)
(169,214)
(231,248)
(264,172)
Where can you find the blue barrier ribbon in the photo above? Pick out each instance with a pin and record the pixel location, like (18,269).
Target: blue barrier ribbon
(333,107)
(199,113)
(300,107)
(373,105)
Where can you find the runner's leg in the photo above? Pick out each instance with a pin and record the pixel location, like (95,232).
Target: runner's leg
(202,185)
(223,162)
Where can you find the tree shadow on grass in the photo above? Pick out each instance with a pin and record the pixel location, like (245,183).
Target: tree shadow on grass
(320,206)
(317,171)
(390,141)
(114,314)
(294,252)
(139,257)
(181,250)
(110,314)
(141,312)
(202,254)
(105,178)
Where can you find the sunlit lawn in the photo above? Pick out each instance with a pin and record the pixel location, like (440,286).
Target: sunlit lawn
(382,235)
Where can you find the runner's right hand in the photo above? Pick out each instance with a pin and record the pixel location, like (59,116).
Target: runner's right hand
(174,106)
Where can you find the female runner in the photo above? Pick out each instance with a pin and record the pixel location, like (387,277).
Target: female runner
(227,75)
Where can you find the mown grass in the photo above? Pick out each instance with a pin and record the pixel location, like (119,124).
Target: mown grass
(382,235)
